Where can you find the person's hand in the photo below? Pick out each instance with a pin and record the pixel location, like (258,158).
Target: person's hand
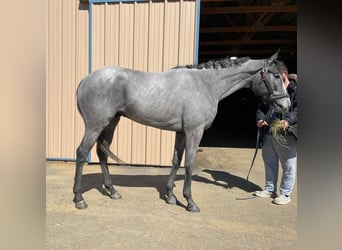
(261,123)
(285,124)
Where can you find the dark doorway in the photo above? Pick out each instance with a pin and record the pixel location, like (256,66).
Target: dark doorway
(244,28)
(234,125)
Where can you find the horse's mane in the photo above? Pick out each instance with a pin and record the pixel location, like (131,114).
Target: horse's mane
(217,64)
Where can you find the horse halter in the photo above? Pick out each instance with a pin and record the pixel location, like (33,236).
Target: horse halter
(270,97)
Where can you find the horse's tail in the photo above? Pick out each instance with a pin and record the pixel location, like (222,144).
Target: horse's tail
(109,153)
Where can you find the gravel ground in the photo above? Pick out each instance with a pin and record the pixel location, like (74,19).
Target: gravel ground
(143,220)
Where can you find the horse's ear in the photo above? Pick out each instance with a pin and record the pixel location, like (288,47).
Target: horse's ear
(274,56)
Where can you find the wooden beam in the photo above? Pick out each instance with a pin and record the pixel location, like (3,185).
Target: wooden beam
(250,42)
(243,52)
(248,9)
(220,0)
(258,28)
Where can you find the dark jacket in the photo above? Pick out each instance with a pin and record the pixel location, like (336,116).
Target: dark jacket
(290,116)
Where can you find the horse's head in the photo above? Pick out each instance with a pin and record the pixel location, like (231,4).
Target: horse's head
(268,85)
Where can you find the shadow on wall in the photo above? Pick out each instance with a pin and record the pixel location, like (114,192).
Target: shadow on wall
(234,125)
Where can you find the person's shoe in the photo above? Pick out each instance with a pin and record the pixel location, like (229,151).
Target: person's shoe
(264,194)
(282,199)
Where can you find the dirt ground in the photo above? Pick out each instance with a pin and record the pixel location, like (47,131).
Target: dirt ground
(143,220)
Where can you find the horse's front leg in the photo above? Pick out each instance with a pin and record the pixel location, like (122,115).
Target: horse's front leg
(193,139)
(176,160)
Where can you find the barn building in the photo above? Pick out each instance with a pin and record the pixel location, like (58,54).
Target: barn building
(84,35)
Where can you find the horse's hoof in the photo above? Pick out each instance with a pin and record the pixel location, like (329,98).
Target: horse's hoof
(81,204)
(193,208)
(171,199)
(115,196)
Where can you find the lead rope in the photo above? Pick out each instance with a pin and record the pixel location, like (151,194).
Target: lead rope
(257,145)
(260,134)
(260,130)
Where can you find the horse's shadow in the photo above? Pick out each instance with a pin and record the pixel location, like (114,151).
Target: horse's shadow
(95,181)
(219,178)
(226,180)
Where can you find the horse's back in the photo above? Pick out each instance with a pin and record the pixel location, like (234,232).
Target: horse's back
(99,79)
(168,100)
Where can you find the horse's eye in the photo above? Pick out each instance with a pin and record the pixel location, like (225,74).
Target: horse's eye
(277,75)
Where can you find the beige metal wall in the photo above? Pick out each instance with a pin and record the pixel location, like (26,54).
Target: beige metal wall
(150,36)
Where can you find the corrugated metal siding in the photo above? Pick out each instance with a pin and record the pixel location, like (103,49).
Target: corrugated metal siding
(53,75)
(140,48)
(81,65)
(150,36)
(68,77)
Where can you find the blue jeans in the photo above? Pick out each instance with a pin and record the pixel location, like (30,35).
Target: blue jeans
(272,153)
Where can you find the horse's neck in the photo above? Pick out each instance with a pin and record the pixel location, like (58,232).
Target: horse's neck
(227,81)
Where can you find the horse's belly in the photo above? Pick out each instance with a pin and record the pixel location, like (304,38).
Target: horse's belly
(172,118)
(164,118)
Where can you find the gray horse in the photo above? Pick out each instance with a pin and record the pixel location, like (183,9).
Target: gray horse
(183,99)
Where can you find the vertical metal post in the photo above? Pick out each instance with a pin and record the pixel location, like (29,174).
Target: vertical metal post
(90,37)
(198,15)
(90,48)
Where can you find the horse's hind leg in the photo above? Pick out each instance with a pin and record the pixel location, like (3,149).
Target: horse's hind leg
(88,141)
(193,138)
(176,160)
(106,138)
